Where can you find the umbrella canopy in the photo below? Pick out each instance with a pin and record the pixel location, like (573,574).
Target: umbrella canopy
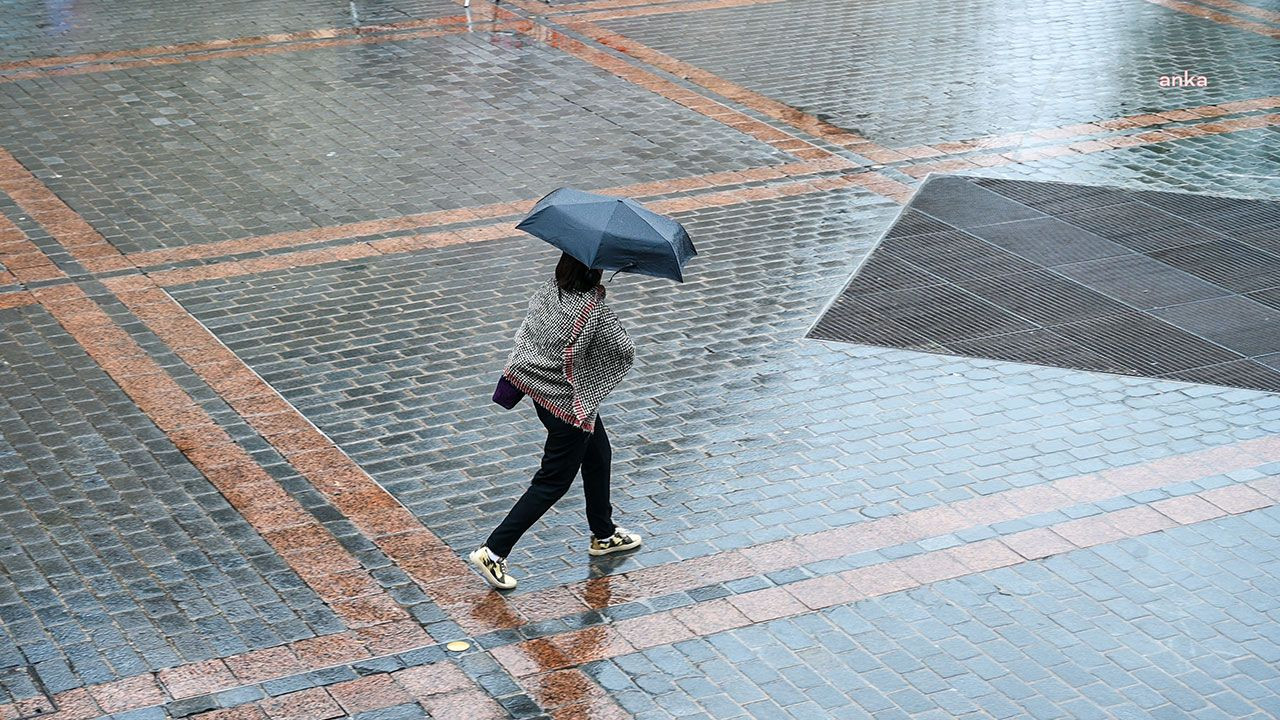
(609,233)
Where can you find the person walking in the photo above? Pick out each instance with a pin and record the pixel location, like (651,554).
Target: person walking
(570,352)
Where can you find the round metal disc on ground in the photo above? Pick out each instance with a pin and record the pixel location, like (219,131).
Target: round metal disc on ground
(458,646)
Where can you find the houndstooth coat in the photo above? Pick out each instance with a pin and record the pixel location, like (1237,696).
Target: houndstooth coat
(570,352)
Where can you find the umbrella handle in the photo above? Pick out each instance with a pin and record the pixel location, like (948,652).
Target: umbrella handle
(624,267)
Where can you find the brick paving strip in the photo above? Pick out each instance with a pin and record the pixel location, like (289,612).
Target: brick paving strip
(874,181)
(208,45)
(375,619)
(414,243)
(440,687)
(595,6)
(1244,9)
(216,54)
(1098,127)
(1153,137)
(379,625)
(748,98)
(698,5)
(768,134)
(483,212)
(908,527)
(24,260)
(574,648)
(20,298)
(1202,12)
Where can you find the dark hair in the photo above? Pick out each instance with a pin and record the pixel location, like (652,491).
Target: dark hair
(571,274)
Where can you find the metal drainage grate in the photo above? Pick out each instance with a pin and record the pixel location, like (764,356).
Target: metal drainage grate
(22,695)
(1155,284)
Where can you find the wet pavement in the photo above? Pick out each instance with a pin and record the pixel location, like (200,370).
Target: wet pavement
(258,273)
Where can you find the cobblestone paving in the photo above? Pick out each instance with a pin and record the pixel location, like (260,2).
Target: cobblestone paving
(32,29)
(235,148)
(118,557)
(1240,164)
(1180,624)
(747,455)
(395,361)
(892,72)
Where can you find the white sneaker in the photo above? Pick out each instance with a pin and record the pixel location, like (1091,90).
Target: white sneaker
(617,542)
(493,571)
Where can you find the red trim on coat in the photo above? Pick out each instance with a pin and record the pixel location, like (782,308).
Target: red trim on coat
(548,406)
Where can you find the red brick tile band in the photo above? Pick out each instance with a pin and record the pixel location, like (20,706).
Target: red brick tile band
(19,298)
(484,212)
(571,695)
(1099,127)
(741,122)
(1202,12)
(1244,9)
(236,268)
(441,688)
(208,45)
(770,108)
(25,262)
(636,10)
(574,648)
(258,51)
(60,221)
(1154,137)
(310,550)
(434,566)
(893,530)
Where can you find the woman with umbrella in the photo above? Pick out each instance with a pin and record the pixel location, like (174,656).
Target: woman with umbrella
(571,351)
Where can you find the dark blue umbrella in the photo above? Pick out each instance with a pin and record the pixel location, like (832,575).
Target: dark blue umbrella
(609,233)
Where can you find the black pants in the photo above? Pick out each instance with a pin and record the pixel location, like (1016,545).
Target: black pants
(568,448)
